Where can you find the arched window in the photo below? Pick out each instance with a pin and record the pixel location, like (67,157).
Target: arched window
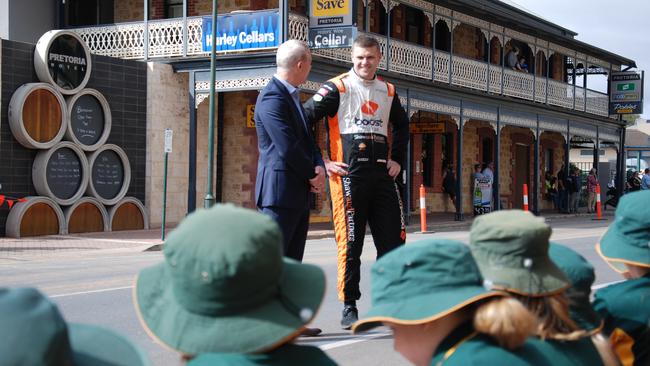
(443,36)
(540,64)
(414,26)
(495,51)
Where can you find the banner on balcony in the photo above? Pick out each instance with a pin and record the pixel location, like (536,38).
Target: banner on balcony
(242,31)
(331,13)
(626,93)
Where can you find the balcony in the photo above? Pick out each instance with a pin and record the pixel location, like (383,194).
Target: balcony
(166,40)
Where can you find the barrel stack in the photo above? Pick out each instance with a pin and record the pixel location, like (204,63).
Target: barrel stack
(81,181)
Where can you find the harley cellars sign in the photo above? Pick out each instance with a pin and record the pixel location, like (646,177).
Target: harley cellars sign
(63,60)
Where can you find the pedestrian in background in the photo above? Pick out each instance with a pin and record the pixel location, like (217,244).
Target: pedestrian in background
(625,306)
(550,184)
(362,164)
(592,182)
(431,295)
(574,186)
(488,171)
(512,58)
(645,180)
(511,250)
(225,295)
(33,332)
(563,194)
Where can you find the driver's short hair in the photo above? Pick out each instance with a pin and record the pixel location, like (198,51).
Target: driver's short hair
(364,41)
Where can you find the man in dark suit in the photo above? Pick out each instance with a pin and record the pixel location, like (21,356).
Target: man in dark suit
(290,164)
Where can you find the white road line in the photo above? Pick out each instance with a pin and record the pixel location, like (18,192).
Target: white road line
(81,238)
(92,291)
(597,287)
(356,339)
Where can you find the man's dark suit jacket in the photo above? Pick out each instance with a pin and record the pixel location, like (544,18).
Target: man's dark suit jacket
(287,151)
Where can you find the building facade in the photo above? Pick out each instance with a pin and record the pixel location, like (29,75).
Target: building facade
(448,60)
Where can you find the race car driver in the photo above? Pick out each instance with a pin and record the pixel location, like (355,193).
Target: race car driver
(362,165)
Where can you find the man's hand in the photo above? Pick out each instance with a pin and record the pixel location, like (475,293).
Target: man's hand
(393,168)
(336,168)
(318,182)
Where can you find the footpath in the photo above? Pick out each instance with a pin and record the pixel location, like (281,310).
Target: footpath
(44,247)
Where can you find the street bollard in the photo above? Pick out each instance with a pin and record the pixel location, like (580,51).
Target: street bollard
(423,209)
(599,212)
(525,197)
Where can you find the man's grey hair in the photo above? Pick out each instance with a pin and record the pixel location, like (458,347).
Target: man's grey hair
(290,53)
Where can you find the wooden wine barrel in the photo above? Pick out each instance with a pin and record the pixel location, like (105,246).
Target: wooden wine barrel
(128,214)
(35,217)
(87,215)
(90,119)
(37,115)
(61,173)
(110,174)
(63,59)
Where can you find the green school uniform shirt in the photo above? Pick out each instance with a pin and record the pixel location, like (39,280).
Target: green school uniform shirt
(287,355)
(464,347)
(625,309)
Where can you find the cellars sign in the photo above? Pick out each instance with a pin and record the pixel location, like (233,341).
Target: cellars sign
(63,60)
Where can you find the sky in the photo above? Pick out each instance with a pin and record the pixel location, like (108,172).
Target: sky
(621,27)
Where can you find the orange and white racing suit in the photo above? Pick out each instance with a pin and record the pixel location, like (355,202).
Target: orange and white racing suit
(358,113)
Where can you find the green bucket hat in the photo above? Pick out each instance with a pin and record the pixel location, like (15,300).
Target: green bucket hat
(627,239)
(225,287)
(581,275)
(421,282)
(511,250)
(34,333)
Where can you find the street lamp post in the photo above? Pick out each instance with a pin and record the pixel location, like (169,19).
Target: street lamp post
(208,201)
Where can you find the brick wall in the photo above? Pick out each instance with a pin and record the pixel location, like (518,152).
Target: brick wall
(465,41)
(128,11)
(167,107)
(239,151)
(122,82)
(157,9)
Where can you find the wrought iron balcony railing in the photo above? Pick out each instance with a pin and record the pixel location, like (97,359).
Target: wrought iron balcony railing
(165,40)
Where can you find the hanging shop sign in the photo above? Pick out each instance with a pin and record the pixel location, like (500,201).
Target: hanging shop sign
(250,115)
(427,127)
(242,31)
(331,23)
(626,93)
(330,13)
(335,37)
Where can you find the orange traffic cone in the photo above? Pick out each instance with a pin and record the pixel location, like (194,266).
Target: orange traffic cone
(423,209)
(525,197)
(599,212)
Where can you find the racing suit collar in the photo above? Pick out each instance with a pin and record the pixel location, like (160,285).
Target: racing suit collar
(360,79)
